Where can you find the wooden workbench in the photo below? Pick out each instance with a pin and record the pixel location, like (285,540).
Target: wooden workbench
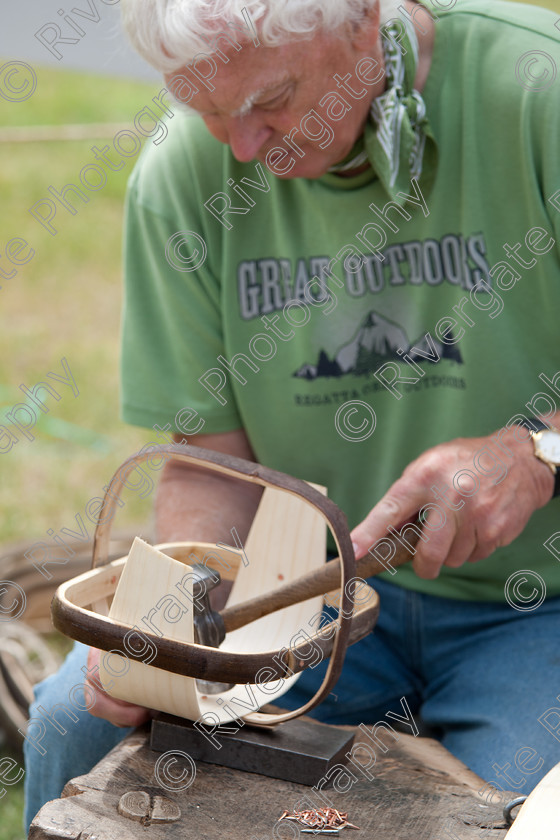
(419,792)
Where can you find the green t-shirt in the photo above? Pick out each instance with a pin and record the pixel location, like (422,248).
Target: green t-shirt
(249,340)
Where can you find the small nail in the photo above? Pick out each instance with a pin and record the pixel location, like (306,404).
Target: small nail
(356,547)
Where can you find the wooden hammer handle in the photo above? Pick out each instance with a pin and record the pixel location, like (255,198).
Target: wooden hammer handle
(315,583)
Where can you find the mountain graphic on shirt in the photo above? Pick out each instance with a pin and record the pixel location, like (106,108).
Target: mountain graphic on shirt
(376,342)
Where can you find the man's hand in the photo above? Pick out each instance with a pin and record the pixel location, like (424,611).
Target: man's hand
(486,487)
(118,712)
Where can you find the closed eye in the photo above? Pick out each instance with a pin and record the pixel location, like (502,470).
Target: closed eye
(275,103)
(279,101)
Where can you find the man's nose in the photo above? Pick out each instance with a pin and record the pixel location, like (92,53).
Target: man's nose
(247,135)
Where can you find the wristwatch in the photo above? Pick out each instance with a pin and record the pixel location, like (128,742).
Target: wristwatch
(546,443)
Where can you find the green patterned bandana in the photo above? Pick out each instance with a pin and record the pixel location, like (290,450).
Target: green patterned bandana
(397,139)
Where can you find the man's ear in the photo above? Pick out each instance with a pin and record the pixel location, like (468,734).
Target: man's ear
(365,33)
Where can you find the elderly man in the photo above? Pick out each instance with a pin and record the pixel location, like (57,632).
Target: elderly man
(343,275)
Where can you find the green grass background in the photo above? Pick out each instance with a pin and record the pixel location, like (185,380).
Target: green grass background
(64,303)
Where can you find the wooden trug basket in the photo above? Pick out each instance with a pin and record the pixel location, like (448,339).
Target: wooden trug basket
(83,607)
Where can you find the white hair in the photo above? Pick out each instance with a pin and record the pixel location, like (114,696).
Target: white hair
(170,33)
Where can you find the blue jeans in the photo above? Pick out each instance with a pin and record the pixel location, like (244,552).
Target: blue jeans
(69,742)
(478,675)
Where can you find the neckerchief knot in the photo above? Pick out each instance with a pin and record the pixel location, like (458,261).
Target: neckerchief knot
(397,139)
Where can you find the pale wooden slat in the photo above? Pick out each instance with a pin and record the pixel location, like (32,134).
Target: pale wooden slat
(539,816)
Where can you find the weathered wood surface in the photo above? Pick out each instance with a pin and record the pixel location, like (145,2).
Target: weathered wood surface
(419,792)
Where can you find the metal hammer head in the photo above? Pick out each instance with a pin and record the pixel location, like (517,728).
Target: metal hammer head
(209,627)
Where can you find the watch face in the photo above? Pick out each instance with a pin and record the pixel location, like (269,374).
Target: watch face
(549,446)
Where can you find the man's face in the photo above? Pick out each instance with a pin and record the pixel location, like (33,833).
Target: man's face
(263,93)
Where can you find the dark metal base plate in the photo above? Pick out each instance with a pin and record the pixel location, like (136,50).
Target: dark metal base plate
(297,751)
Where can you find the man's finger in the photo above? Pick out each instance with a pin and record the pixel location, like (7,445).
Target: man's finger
(118,712)
(391,512)
(463,547)
(432,553)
